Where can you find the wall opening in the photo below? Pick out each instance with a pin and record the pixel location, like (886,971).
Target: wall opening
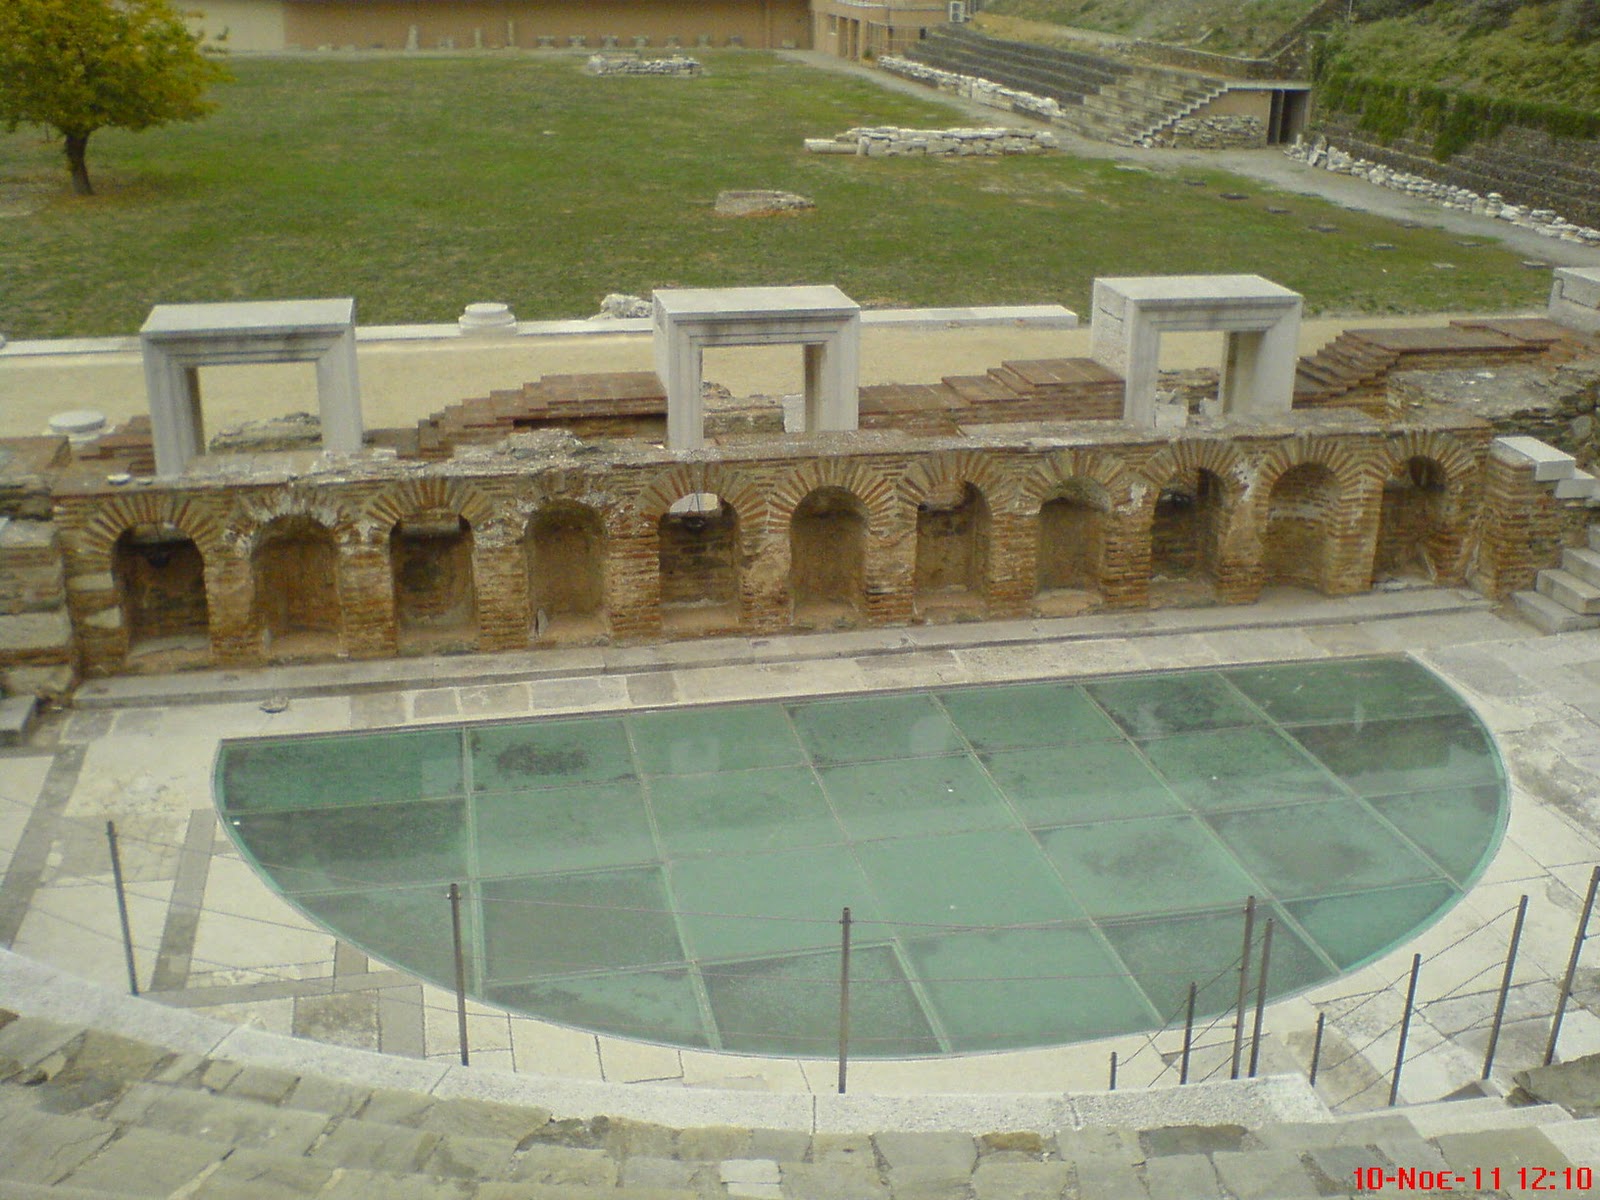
(565,549)
(1186,539)
(952,553)
(1300,512)
(435,601)
(296,571)
(1414,532)
(699,565)
(1071,552)
(828,559)
(161,577)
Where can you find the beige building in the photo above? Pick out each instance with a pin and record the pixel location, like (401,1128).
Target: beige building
(247,25)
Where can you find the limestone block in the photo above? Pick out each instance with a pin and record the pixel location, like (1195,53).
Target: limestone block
(106,618)
(1547,462)
(29,635)
(48,683)
(1575,298)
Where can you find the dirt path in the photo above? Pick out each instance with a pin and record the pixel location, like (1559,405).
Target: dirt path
(1268,166)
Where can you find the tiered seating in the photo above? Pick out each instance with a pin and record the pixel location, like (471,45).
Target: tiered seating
(1053,389)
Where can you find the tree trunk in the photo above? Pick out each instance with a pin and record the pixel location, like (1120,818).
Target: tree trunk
(77,148)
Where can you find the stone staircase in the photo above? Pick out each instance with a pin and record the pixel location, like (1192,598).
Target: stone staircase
(1101,98)
(35,633)
(1567,597)
(89,1114)
(1353,369)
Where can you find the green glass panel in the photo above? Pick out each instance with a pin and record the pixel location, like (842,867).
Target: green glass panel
(407,927)
(1167,954)
(695,741)
(1315,848)
(847,731)
(1384,757)
(509,758)
(1038,714)
(790,1005)
(1348,690)
(562,829)
(319,771)
(327,848)
(1145,865)
(1155,705)
(768,903)
(1458,827)
(1239,768)
(998,878)
(1067,785)
(915,796)
(1358,928)
(742,812)
(559,924)
(1033,987)
(655,1005)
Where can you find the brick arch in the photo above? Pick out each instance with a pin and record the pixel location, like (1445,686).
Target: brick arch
(1047,479)
(123,512)
(255,513)
(1455,457)
(736,488)
(874,489)
(1221,459)
(431,494)
(1353,466)
(948,472)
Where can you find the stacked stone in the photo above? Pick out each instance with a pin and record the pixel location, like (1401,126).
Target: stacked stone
(35,634)
(1224,132)
(886,141)
(1321,153)
(629,64)
(971,87)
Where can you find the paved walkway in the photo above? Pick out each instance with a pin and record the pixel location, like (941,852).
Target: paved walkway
(211,936)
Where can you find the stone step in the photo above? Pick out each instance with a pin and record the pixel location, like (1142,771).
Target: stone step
(1569,591)
(1594,537)
(1583,562)
(17,717)
(1548,616)
(1480,1114)
(1580,485)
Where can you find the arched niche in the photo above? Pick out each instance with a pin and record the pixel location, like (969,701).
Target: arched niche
(295,568)
(435,595)
(952,567)
(1300,512)
(699,565)
(565,555)
(1414,523)
(1186,529)
(1071,548)
(161,578)
(828,558)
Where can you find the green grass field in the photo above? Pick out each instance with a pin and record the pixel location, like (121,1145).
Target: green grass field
(420,185)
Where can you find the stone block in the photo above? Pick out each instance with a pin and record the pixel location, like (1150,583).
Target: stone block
(1264,1175)
(1547,462)
(1181,1177)
(566,1166)
(34,636)
(1575,298)
(17,716)
(927,1157)
(40,1148)
(143,1162)
(832,1181)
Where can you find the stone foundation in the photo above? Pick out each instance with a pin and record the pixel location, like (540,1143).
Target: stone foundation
(888,141)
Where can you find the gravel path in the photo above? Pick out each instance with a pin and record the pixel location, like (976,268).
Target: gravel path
(1268,166)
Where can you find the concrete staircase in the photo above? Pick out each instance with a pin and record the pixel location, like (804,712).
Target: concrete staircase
(90,1114)
(1101,98)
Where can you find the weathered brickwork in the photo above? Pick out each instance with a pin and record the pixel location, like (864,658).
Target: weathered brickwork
(535,543)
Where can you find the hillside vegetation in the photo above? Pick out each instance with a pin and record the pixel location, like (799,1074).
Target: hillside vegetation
(1221,26)
(1540,52)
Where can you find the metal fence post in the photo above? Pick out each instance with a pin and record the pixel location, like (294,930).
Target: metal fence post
(122,907)
(1316,1048)
(1113,1086)
(1261,999)
(1505,988)
(1405,1028)
(1244,986)
(1572,968)
(844,996)
(1188,1034)
(461,969)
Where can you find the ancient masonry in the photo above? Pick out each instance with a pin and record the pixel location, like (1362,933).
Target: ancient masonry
(631,507)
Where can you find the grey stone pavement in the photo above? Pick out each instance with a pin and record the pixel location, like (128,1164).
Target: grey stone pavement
(213,938)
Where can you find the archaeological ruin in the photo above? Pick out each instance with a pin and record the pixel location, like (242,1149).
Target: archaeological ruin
(629,507)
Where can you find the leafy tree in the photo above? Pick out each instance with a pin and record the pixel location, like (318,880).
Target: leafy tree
(82,65)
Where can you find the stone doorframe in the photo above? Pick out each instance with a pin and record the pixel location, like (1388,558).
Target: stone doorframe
(178,339)
(1261,320)
(823,320)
